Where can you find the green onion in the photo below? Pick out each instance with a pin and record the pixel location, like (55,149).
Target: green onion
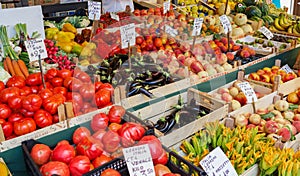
(7,49)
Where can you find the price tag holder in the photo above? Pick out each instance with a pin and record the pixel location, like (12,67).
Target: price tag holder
(94,9)
(197,26)
(225,23)
(127,35)
(171,31)
(266,32)
(216,163)
(4,75)
(115,16)
(139,160)
(166,6)
(287,68)
(248,91)
(36,48)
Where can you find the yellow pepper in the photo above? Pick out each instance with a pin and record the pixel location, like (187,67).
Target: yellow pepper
(64,36)
(65,46)
(68,27)
(50,33)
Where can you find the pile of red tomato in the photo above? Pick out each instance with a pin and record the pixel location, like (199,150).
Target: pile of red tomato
(90,151)
(26,105)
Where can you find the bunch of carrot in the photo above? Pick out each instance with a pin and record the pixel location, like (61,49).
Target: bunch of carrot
(15,67)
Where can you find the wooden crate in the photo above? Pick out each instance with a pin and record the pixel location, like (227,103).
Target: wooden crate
(289,86)
(163,108)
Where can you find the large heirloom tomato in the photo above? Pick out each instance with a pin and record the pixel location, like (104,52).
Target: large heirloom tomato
(40,154)
(110,172)
(45,93)
(24,126)
(103,98)
(111,141)
(8,92)
(5,111)
(7,128)
(15,102)
(116,113)
(80,134)
(2,85)
(99,121)
(51,104)
(99,161)
(25,91)
(87,91)
(51,73)
(34,79)
(63,153)
(79,165)
(90,148)
(57,82)
(60,90)
(16,81)
(64,73)
(16,116)
(76,97)
(42,118)
(55,168)
(32,102)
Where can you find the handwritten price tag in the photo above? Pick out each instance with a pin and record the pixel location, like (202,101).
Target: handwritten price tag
(248,91)
(36,48)
(216,163)
(115,16)
(287,68)
(171,31)
(166,6)
(266,32)
(139,160)
(127,35)
(4,75)
(94,9)
(197,26)
(225,23)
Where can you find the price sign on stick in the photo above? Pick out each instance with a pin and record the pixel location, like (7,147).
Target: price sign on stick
(216,163)
(127,35)
(114,16)
(94,9)
(171,31)
(287,68)
(139,160)
(166,6)
(266,32)
(248,91)
(197,26)
(36,48)
(225,23)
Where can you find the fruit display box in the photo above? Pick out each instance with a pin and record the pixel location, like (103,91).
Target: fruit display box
(156,111)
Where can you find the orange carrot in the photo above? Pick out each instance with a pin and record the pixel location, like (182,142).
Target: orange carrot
(5,65)
(17,68)
(23,68)
(10,66)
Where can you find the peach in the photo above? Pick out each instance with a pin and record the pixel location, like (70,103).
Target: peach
(221,58)
(235,105)
(254,76)
(241,98)
(296,117)
(296,124)
(260,72)
(233,91)
(293,98)
(292,128)
(267,70)
(265,78)
(241,120)
(262,111)
(288,77)
(285,134)
(227,97)
(255,119)
(271,127)
(222,90)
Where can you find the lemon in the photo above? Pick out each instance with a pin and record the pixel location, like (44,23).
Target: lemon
(3,169)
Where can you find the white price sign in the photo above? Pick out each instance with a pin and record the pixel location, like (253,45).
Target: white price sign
(287,68)
(266,32)
(171,31)
(36,48)
(216,163)
(114,16)
(197,26)
(94,9)
(4,75)
(225,23)
(127,35)
(248,91)
(139,160)
(166,6)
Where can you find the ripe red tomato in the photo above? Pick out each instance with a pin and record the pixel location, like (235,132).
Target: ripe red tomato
(8,92)
(100,160)
(47,85)
(15,102)
(116,113)
(32,102)
(63,153)
(55,168)
(76,85)
(25,91)
(67,82)
(107,86)
(51,73)
(16,116)
(24,126)
(79,165)
(87,92)
(99,121)
(51,104)
(42,118)
(55,118)
(64,73)
(26,113)
(16,81)
(154,144)
(5,111)
(103,98)
(40,153)
(80,133)
(34,79)
(99,134)
(76,97)
(111,141)
(90,148)
(110,172)
(84,77)
(2,85)
(98,86)
(57,82)
(7,128)
(63,142)
(34,89)
(45,93)
(163,159)
(60,90)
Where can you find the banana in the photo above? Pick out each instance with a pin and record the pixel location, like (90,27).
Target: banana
(287,21)
(295,31)
(298,27)
(290,29)
(277,25)
(282,23)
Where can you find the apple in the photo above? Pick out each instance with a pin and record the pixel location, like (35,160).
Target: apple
(271,127)
(292,128)
(241,98)
(227,97)
(288,77)
(235,105)
(230,56)
(139,40)
(158,42)
(245,54)
(236,47)
(221,58)
(196,67)
(233,91)
(184,46)
(189,60)
(211,71)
